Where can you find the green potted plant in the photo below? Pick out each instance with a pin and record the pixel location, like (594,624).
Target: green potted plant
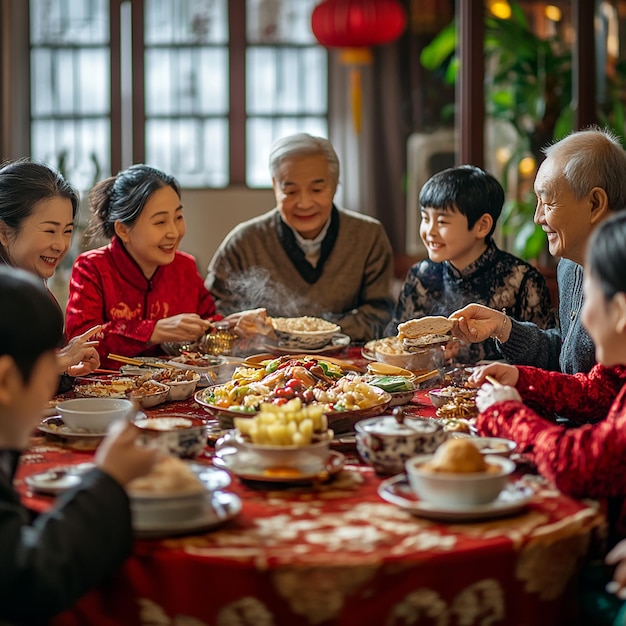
(528,83)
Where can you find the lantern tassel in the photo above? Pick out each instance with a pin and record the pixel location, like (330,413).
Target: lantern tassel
(356,99)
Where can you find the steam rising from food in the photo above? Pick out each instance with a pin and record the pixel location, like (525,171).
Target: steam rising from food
(254,288)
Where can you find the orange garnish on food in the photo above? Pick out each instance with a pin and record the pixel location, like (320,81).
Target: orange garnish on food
(282,472)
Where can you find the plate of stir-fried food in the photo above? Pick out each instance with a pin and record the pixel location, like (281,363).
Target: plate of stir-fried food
(345,399)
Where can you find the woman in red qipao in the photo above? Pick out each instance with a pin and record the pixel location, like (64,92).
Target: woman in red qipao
(139,287)
(589,460)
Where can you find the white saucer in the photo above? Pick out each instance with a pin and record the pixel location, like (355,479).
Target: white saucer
(338,341)
(334,465)
(511,500)
(55,425)
(59,479)
(224,506)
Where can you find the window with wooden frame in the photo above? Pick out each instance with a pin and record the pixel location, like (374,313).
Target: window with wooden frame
(198,88)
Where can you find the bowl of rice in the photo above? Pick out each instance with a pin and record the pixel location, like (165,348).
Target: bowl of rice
(303,333)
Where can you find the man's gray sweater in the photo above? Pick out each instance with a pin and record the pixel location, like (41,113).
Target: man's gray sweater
(568,347)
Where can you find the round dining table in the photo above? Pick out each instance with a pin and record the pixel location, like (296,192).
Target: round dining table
(336,553)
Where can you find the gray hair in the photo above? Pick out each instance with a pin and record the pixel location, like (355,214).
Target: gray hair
(303,144)
(593,158)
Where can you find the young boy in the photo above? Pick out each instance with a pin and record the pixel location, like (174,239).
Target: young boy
(49,564)
(460,207)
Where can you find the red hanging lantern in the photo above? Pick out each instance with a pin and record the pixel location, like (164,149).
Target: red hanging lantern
(357,23)
(354,25)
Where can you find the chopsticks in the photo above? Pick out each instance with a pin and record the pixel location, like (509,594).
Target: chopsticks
(426,376)
(493,381)
(130,361)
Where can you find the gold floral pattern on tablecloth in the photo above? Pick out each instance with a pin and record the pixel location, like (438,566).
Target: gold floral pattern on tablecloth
(480,604)
(548,561)
(246,611)
(151,614)
(317,594)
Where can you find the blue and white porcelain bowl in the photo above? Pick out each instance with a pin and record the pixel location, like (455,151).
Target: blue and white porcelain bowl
(386,444)
(184,436)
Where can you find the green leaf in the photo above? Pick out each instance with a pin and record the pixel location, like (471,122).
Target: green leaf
(564,124)
(453,71)
(530,241)
(439,50)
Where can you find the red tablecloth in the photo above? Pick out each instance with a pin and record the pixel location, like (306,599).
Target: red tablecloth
(338,554)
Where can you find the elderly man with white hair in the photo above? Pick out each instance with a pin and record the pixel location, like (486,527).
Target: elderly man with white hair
(306,256)
(581,182)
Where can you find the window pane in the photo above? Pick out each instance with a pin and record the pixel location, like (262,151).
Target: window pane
(186,81)
(287,80)
(186,21)
(84,22)
(70,81)
(70,87)
(262,132)
(80,148)
(194,151)
(280,21)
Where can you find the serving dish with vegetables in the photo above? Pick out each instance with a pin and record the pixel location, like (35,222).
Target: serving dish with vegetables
(312,380)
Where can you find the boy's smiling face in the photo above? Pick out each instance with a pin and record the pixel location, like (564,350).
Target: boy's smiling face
(23,401)
(446,235)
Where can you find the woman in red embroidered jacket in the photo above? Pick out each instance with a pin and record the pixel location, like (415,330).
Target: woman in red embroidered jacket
(140,287)
(589,460)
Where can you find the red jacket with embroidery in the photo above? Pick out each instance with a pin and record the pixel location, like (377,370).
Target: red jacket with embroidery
(586,461)
(107,287)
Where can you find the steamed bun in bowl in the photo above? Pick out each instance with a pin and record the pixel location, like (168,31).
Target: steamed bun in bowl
(457,475)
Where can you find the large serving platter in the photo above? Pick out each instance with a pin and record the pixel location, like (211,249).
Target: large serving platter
(339,421)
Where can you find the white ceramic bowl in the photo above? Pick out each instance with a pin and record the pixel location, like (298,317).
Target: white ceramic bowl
(439,397)
(93,415)
(307,459)
(458,490)
(289,337)
(182,383)
(428,359)
(148,400)
(183,389)
(169,509)
(184,436)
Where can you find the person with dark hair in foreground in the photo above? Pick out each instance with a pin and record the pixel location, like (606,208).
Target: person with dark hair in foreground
(48,564)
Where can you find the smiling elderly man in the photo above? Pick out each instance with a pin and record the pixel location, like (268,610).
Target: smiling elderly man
(306,256)
(580,183)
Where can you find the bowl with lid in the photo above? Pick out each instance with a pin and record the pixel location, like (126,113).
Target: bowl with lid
(386,442)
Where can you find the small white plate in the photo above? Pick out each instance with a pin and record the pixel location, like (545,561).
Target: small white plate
(513,498)
(224,506)
(338,342)
(494,445)
(228,461)
(56,426)
(58,479)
